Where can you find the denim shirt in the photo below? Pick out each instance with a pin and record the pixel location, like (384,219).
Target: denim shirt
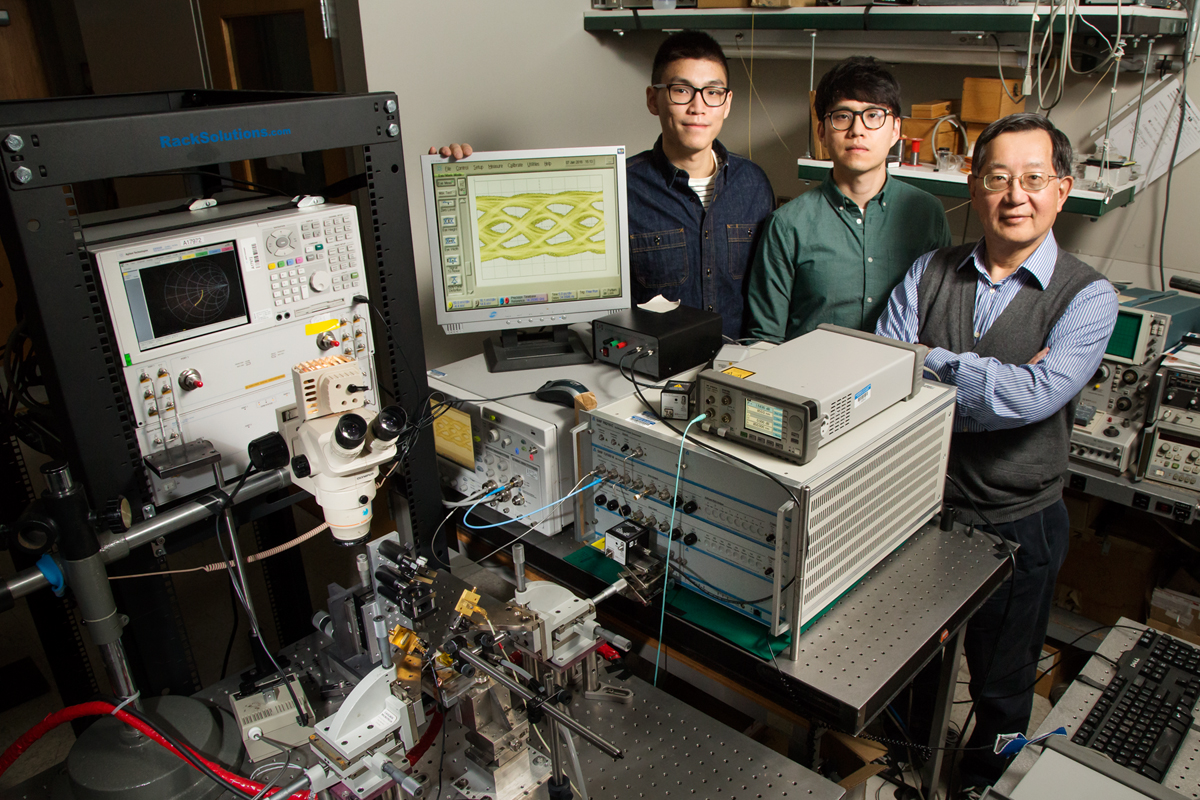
(679,250)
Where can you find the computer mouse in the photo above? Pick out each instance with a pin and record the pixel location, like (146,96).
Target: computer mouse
(561,391)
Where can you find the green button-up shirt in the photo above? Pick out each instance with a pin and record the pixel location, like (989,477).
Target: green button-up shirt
(823,259)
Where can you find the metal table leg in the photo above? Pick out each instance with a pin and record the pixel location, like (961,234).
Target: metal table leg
(941,710)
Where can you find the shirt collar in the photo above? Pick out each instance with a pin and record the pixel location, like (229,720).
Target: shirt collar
(838,200)
(669,171)
(1040,263)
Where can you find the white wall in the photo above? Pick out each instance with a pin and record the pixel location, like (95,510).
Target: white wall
(523,73)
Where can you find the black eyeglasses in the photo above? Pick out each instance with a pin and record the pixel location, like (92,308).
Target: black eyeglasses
(872,118)
(681,94)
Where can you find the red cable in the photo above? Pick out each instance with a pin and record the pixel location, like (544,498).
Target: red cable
(97,709)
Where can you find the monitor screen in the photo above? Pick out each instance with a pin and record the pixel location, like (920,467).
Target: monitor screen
(527,238)
(175,296)
(1123,342)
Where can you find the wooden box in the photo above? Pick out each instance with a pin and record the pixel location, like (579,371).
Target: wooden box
(984,100)
(923,129)
(818,149)
(931,110)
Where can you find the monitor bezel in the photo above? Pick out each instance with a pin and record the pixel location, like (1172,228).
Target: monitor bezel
(537,314)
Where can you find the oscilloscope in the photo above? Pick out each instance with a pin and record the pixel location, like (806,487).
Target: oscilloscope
(211,310)
(525,239)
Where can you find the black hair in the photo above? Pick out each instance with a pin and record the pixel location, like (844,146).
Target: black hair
(860,78)
(687,44)
(1060,145)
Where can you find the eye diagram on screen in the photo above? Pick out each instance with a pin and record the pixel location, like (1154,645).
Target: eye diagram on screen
(528,231)
(525,225)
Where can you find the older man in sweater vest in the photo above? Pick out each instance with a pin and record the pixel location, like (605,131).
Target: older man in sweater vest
(1018,325)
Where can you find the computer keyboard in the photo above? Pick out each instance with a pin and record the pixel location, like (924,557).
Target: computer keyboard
(1145,712)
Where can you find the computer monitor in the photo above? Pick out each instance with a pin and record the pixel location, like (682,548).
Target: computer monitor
(528,239)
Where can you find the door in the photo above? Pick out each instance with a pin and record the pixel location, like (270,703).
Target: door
(276,45)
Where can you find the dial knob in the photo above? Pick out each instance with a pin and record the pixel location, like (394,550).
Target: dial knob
(1102,374)
(1124,404)
(320,281)
(1164,448)
(1129,376)
(492,435)
(505,442)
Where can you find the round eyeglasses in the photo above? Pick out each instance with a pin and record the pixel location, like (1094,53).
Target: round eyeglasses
(872,118)
(681,94)
(1030,181)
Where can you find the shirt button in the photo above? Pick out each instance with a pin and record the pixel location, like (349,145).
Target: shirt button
(858,220)
(992,290)
(708,272)
(870,260)
(870,299)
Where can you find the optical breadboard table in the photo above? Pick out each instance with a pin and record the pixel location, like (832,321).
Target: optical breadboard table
(856,658)
(669,747)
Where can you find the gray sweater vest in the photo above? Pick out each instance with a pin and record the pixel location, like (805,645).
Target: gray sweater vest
(1012,473)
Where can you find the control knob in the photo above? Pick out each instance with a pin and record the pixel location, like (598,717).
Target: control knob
(1124,404)
(327,341)
(1129,376)
(492,435)
(320,281)
(190,379)
(1102,374)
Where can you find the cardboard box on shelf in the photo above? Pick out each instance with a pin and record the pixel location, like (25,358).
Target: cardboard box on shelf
(782,3)
(722,3)
(931,109)
(984,99)
(1176,613)
(1106,577)
(922,129)
(1083,509)
(1053,667)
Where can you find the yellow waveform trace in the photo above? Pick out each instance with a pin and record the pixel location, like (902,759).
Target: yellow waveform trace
(584,206)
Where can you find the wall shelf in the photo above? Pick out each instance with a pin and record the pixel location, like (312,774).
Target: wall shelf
(1135,20)
(954,184)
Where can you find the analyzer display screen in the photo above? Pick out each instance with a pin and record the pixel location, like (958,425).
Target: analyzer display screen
(528,231)
(1123,342)
(764,419)
(177,296)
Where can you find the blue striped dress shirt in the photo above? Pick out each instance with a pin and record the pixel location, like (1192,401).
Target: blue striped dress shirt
(992,395)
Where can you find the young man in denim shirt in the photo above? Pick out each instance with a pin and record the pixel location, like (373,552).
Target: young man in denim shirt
(694,208)
(834,254)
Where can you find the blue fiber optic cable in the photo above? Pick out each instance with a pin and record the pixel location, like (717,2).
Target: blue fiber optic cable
(671,527)
(596,482)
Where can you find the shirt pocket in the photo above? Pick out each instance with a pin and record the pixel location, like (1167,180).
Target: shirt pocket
(659,259)
(740,248)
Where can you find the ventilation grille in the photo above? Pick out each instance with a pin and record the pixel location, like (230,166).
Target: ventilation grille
(452,327)
(838,417)
(853,520)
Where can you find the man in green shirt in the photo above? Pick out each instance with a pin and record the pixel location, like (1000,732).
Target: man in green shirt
(835,254)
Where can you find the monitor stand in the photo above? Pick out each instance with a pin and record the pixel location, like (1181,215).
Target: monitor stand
(516,350)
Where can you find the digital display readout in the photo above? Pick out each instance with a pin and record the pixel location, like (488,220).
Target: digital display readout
(764,419)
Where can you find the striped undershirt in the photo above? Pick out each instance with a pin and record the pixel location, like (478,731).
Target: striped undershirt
(703,187)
